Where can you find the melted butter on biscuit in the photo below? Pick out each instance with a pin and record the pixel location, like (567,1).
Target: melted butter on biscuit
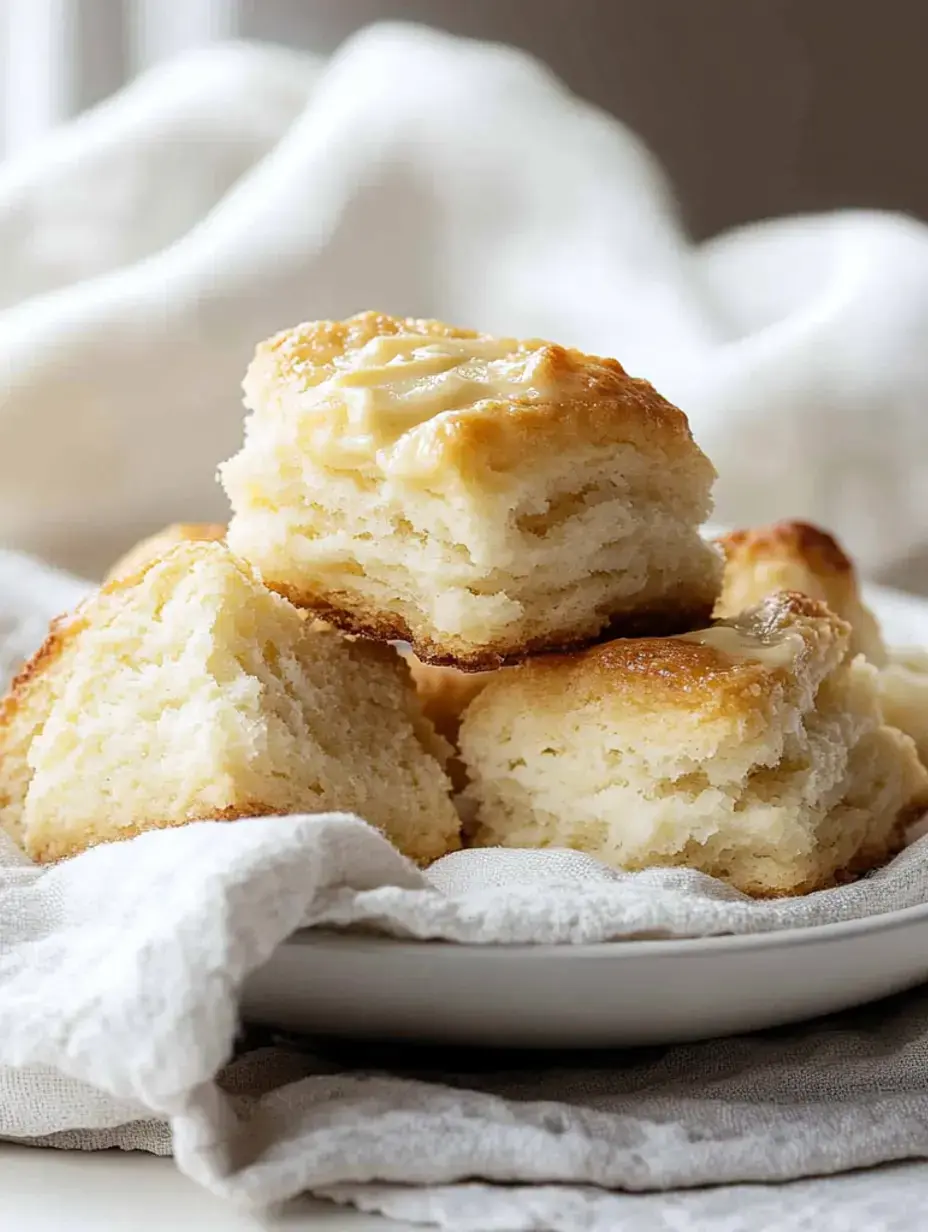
(395,383)
(774,649)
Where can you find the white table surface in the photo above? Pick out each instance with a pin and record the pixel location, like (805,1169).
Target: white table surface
(115,1191)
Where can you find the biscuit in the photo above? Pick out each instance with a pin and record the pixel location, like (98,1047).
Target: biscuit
(444,694)
(190,691)
(480,498)
(795,556)
(753,751)
(903,684)
(150,548)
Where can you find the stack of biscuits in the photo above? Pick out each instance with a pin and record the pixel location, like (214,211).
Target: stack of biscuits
(464,577)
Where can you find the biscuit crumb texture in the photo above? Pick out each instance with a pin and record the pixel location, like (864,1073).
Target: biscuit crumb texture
(754,751)
(444,694)
(190,692)
(480,498)
(903,685)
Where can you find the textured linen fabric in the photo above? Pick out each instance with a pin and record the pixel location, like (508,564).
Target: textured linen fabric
(119,980)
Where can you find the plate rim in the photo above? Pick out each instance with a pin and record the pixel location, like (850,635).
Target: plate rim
(633,947)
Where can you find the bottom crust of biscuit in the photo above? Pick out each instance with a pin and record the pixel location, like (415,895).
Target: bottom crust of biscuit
(52,852)
(388,627)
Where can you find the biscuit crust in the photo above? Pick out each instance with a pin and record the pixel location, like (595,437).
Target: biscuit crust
(679,673)
(53,848)
(659,621)
(797,556)
(571,395)
(789,541)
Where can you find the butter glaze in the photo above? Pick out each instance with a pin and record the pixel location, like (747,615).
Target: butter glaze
(397,383)
(773,649)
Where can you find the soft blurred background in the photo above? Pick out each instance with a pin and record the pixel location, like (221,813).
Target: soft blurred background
(725,194)
(755,107)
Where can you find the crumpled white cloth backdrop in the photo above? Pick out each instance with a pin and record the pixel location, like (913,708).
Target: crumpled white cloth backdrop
(148,245)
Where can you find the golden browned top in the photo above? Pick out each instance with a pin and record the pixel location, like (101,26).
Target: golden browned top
(422,392)
(787,541)
(779,641)
(309,350)
(800,557)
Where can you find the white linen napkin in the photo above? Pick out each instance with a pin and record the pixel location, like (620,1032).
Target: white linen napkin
(148,245)
(120,972)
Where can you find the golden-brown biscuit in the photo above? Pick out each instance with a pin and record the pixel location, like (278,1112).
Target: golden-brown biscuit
(189,691)
(480,498)
(754,751)
(797,556)
(150,548)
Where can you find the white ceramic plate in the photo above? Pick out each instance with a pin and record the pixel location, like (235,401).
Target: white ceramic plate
(623,993)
